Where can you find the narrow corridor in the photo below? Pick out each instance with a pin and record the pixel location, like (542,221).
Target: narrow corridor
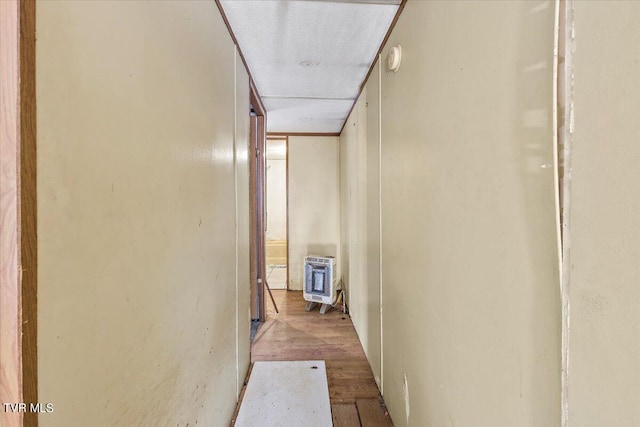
(472,166)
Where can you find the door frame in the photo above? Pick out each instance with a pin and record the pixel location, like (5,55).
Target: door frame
(286,142)
(18,208)
(257,160)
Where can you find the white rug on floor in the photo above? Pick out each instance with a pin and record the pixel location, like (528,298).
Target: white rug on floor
(283,394)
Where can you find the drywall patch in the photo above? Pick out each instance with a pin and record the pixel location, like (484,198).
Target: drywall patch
(405,393)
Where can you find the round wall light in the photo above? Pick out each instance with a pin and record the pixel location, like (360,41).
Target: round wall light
(395,58)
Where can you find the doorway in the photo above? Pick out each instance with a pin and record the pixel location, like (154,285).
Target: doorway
(257,166)
(258,208)
(276,235)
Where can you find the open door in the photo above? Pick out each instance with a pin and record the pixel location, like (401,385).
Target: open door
(276,232)
(257,206)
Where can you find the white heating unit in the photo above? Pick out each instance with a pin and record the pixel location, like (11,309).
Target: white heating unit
(319,281)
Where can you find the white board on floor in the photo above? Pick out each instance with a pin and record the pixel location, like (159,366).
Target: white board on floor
(282,394)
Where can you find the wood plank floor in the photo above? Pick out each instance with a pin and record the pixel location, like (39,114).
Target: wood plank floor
(295,334)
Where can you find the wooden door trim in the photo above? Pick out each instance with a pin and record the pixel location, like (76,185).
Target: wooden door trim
(253,226)
(256,203)
(286,142)
(262,141)
(18,203)
(28,207)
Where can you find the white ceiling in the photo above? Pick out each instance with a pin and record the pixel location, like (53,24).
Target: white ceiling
(308,58)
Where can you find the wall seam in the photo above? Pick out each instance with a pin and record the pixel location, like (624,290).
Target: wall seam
(558,208)
(556,185)
(380,222)
(235,191)
(566,207)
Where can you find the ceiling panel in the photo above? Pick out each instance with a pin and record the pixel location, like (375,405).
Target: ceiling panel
(308,49)
(306,115)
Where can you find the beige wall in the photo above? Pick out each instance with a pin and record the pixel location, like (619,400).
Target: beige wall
(360,219)
(313,201)
(243,274)
(470,282)
(143,214)
(276,199)
(373,219)
(352,222)
(604,345)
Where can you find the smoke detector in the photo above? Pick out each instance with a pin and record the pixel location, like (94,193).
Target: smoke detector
(394,58)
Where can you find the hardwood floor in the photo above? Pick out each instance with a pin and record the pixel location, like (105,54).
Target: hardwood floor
(295,334)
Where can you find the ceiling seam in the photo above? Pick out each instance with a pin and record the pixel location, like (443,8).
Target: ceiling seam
(375,59)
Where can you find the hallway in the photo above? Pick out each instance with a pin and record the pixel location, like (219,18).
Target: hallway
(295,334)
(474,172)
